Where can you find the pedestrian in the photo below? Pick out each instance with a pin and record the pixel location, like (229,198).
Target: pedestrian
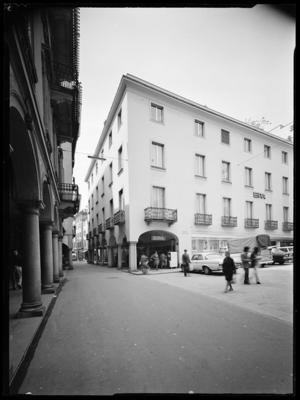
(155,260)
(163,260)
(144,263)
(186,263)
(16,269)
(246,264)
(229,269)
(169,259)
(255,257)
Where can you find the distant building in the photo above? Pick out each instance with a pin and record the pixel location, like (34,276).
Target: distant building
(41,60)
(80,226)
(175,175)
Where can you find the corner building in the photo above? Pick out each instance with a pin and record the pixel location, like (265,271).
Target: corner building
(170,174)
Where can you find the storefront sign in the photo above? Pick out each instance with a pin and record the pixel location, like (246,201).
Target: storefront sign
(259,195)
(158,238)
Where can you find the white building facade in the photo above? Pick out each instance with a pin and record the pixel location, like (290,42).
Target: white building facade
(175,175)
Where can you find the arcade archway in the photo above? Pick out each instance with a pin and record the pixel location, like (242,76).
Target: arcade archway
(160,241)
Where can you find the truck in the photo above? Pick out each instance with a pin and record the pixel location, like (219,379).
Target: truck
(261,241)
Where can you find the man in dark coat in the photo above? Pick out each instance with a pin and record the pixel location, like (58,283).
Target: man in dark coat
(186,263)
(228,270)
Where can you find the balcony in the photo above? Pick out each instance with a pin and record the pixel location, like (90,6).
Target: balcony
(229,221)
(287,226)
(109,223)
(101,228)
(119,217)
(69,199)
(203,219)
(160,214)
(95,231)
(271,225)
(251,223)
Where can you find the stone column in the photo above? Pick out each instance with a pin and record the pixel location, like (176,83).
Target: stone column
(32,298)
(47,258)
(60,269)
(110,260)
(55,256)
(119,256)
(132,256)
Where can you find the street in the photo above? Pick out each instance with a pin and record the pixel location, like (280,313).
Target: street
(114,332)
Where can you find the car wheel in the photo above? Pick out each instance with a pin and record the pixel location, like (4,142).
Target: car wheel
(206,270)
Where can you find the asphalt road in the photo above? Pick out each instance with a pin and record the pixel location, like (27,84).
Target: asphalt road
(114,332)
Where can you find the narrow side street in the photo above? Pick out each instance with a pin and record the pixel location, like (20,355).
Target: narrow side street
(114,332)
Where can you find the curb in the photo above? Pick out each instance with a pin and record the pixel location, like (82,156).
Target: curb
(21,370)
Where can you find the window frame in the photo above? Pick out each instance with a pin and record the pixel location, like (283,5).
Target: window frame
(197,124)
(154,114)
(267,154)
(247,145)
(201,206)
(224,131)
(200,161)
(154,147)
(285,185)
(250,176)
(154,199)
(228,169)
(269,181)
(224,206)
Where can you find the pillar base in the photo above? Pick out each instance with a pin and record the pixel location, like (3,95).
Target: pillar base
(56,279)
(47,290)
(30,312)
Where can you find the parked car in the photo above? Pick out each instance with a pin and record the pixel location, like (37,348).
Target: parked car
(206,262)
(74,256)
(282,255)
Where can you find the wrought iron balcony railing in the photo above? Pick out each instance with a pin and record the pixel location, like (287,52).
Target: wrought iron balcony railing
(271,225)
(101,228)
(229,221)
(109,223)
(119,217)
(160,214)
(203,219)
(68,192)
(251,223)
(287,226)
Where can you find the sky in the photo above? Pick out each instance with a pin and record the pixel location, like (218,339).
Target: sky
(238,61)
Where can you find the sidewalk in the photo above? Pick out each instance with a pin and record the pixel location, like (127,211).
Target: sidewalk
(154,271)
(24,332)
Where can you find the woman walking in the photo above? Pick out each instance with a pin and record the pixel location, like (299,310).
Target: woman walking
(228,270)
(255,257)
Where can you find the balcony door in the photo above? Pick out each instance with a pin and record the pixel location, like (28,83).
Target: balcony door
(158,197)
(200,203)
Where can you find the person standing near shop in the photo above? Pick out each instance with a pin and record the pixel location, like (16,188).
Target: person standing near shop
(155,259)
(16,269)
(186,263)
(255,257)
(246,264)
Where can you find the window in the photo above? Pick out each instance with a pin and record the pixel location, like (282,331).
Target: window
(285,214)
(247,145)
(96,167)
(97,194)
(88,185)
(269,212)
(158,197)
(102,184)
(201,203)
(285,182)
(110,139)
(157,112)
(92,179)
(111,206)
(200,165)
(284,157)
(92,201)
(97,219)
(102,156)
(226,207)
(249,209)
(225,171)
(157,155)
(121,200)
(89,206)
(268,185)
(110,173)
(199,128)
(120,118)
(248,176)
(103,214)
(225,136)
(120,161)
(267,151)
